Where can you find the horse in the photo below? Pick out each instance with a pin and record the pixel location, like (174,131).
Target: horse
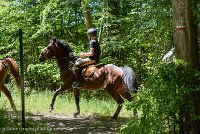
(117,81)
(9,65)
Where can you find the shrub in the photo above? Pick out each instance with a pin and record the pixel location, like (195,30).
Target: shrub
(43,76)
(163,101)
(3,119)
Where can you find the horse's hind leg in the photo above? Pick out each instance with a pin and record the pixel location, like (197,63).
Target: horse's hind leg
(128,96)
(8,95)
(119,101)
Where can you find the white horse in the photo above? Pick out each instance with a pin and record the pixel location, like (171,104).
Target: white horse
(169,56)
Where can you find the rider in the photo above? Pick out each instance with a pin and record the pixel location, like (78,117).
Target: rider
(92,56)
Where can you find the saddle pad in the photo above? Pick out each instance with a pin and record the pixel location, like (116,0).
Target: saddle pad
(88,71)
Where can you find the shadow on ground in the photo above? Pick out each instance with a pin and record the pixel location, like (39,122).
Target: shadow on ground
(94,124)
(61,124)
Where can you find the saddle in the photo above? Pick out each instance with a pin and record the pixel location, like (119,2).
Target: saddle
(88,70)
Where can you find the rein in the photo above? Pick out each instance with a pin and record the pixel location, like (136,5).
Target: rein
(62,58)
(70,63)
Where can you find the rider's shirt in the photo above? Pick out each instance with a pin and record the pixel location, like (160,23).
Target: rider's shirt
(97,51)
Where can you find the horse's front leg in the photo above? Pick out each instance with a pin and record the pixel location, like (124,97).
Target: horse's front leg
(77,99)
(51,107)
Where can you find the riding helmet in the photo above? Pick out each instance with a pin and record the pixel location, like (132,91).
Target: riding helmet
(92,31)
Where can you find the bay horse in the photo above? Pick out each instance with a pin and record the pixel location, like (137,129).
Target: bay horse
(117,81)
(9,65)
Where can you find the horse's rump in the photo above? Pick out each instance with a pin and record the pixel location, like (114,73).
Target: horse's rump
(6,65)
(12,65)
(4,76)
(3,70)
(124,75)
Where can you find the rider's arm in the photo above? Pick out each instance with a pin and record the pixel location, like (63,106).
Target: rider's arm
(90,53)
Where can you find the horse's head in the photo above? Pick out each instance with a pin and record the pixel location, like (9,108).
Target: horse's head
(54,49)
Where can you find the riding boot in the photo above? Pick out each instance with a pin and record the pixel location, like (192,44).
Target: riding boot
(79,83)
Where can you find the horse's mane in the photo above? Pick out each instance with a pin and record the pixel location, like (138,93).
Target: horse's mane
(67,48)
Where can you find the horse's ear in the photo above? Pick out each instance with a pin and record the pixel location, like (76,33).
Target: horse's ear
(53,40)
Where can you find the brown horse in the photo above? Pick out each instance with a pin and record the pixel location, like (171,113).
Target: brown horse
(7,64)
(117,81)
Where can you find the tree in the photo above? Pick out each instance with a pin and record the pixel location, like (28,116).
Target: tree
(136,33)
(185,32)
(186,46)
(87,15)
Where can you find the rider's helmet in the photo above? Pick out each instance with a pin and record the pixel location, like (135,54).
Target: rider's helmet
(92,31)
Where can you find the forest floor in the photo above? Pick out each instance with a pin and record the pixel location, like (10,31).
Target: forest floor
(94,124)
(61,124)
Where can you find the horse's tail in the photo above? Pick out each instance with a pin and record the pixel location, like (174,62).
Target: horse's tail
(129,79)
(14,69)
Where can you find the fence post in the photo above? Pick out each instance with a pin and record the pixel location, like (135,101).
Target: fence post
(22,77)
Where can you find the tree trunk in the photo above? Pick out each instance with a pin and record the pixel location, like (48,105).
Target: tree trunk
(115,8)
(86,12)
(185,35)
(186,46)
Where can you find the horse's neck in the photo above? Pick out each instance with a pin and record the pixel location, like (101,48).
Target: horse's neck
(63,63)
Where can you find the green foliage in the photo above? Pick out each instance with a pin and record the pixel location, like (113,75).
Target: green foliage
(10,124)
(4,121)
(45,76)
(135,33)
(166,95)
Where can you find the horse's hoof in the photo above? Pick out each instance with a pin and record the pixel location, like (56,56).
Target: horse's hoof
(50,109)
(75,115)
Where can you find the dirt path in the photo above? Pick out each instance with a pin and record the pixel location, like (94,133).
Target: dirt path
(60,124)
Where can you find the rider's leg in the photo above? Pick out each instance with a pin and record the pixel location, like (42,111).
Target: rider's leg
(77,72)
(80,63)
(79,82)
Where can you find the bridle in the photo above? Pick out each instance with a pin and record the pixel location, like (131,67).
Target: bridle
(52,47)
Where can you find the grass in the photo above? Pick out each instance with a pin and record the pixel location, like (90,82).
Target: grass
(38,103)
